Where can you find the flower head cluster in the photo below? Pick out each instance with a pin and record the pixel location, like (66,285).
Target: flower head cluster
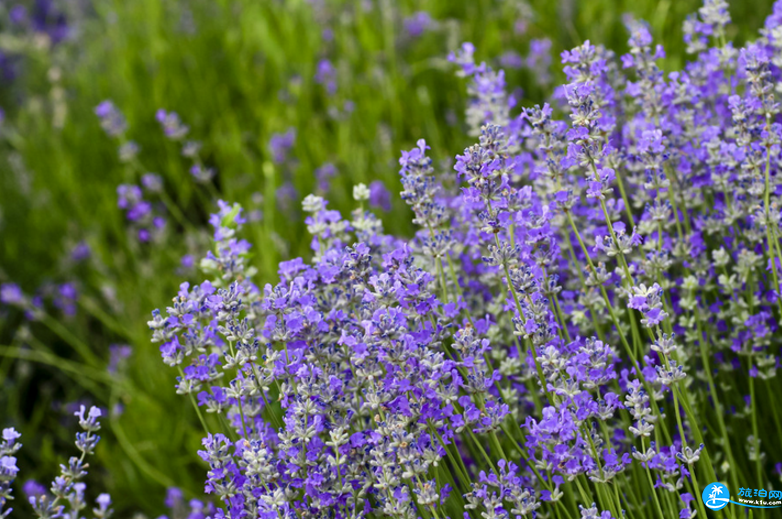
(490,102)
(8,468)
(144,218)
(174,129)
(63,297)
(115,125)
(66,495)
(417,24)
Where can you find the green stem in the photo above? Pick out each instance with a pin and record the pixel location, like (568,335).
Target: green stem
(755,437)
(626,201)
(651,484)
(80,346)
(195,405)
(697,492)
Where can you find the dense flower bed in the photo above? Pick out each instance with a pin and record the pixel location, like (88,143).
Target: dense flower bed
(585,324)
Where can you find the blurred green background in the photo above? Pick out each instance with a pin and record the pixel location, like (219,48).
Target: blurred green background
(237,72)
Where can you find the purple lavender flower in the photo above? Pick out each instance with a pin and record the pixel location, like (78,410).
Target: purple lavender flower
(8,472)
(201,173)
(81,252)
(538,60)
(417,23)
(66,297)
(323,175)
(118,353)
(34,489)
(128,196)
(111,119)
(190,149)
(128,151)
(11,294)
(280,145)
(104,502)
(379,196)
(46,17)
(286,196)
(172,125)
(187,261)
(152,183)
(490,102)
(326,75)
(140,213)
(67,491)
(511,60)
(18,14)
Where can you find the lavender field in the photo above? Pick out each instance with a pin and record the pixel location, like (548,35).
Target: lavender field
(301,259)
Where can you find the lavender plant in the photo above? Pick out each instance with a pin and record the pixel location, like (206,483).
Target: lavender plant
(582,326)
(8,468)
(66,496)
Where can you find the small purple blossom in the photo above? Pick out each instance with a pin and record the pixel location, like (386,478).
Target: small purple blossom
(81,252)
(417,23)
(117,354)
(11,294)
(280,145)
(379,196)
(172,125)
(111,119)
(326,75)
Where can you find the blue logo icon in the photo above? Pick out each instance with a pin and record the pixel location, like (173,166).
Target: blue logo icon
(716,496)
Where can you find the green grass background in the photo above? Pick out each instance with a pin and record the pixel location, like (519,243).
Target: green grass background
(222,65)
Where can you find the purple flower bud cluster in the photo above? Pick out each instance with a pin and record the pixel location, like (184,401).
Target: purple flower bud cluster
(64,297)
(538,61)
(326,75)
(8,468)
(147,219)
(379,196)
(118,354)
(417,24)
(80,252)
(181,509)
(280,145)
(172,125)
(490,104)
(11,294)
(66,495)
(323,176)
(175,130)
(111,119)
(44,21)
(115,125)
(143,216)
